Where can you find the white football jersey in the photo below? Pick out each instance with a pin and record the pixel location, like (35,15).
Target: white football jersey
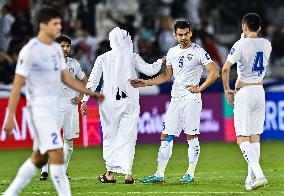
(187,65)
(252,55)
(75,71)
(42,65)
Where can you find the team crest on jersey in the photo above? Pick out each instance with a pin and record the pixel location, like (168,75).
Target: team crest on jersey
(189,56)
(71,70)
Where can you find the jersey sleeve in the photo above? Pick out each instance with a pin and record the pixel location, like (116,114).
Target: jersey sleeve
(145,68)
(204,57)
(95,77)
(235,53)
(79,74)
(168,58)
(24,63)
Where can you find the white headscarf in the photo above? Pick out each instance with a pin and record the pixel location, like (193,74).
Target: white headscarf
(122,54)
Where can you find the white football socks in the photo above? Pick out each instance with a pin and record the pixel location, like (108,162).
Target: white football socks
(165,153)
(60,180)
(250,176)
(251,157)
(24,176)
(67,150)
(44,168)
(193,155)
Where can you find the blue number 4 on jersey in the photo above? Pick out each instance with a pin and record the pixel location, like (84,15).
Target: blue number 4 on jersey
(258,63)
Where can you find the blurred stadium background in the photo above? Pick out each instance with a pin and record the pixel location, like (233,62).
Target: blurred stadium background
(216,26)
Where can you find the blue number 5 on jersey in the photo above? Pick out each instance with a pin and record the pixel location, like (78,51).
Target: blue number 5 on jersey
(180,62)
(258,63)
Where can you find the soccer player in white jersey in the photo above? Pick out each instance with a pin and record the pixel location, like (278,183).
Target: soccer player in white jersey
(120,111)
(41,68)
(185,63)
(252,55)
(68,115)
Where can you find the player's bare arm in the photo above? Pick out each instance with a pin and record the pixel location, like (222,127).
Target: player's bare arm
(18,83)
(225,77)
(76,100)
(213,75)
(78,86)
(164,77)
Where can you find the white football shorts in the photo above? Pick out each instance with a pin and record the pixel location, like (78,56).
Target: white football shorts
(43,124)
(249,110)
(183,114)
(69,122)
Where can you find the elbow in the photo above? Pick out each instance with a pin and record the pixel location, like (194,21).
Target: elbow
(216,74)
(225,70)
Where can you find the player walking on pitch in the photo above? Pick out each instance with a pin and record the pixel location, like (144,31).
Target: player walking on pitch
(69,99)
(185,62)
(41,67)
(252,55)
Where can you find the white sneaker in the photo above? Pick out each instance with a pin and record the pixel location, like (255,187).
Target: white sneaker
(248,186)
(259,182)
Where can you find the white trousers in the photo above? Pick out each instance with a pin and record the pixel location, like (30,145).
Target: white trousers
(119,125)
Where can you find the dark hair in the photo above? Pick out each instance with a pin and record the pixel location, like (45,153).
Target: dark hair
(253,21)
(181,24)
(46,13)
(63,38)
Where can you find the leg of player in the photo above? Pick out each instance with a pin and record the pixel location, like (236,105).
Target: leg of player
(164,154)
(68,150)
(254,140)
(57,172)
(44,172)
(252,159)
(25,174)
(193,155)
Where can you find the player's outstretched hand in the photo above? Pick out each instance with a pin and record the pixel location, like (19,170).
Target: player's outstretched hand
(194,89)
(75,100)
(84,109)
(97,96)
(138,83)
(9,125)
(230,96)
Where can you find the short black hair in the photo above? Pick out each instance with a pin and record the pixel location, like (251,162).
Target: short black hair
(63,38)
(253,21)
(181,24)
(46,13)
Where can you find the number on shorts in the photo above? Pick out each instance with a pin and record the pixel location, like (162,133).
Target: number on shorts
(258,63)
(54,138)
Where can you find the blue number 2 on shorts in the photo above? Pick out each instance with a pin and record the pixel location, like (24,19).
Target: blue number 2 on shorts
(54,138)
(258,63)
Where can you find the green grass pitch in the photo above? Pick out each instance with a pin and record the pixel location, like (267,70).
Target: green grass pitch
(221,170)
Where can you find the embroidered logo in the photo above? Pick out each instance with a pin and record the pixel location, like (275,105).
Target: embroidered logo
(189,56)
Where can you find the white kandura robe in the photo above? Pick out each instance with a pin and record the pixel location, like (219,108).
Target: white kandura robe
(119,117)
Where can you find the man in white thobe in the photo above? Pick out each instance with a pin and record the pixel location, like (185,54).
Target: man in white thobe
(119,112)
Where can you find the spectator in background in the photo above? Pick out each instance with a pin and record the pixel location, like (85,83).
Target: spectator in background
(22,27)
(146,40)
(104,46)
(80,51)
(127,23)
(88,41)
(166,39)
(6,68)
(6,22)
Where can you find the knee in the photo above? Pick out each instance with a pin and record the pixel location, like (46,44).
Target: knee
(56,156)
(190,137)
(39,160)
(166,137)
